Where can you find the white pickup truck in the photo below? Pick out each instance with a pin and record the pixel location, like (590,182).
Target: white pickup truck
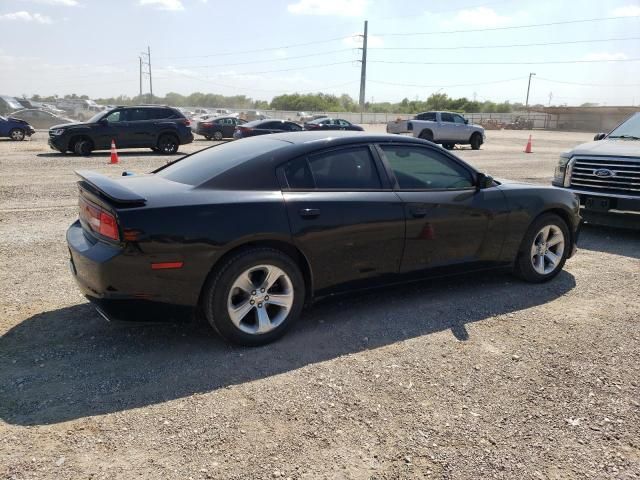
(445,128)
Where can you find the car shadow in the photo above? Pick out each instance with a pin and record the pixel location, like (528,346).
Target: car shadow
(69,363)
(617,241)
(107,154)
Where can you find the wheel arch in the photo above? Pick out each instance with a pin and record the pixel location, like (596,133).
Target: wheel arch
(556,210)
(281,245)
(427,129)
(77,137)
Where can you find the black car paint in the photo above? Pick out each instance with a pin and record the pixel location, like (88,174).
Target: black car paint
(329,124)
(265,127)
(357,238)
(127,134)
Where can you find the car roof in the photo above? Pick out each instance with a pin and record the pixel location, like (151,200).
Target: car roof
(339,137)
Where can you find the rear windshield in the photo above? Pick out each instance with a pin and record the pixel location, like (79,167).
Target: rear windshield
(205,165)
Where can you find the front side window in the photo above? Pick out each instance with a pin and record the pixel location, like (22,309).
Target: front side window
(344,169)
(115,117)
(294,127)
(458,119)
(419,168)
(343,123)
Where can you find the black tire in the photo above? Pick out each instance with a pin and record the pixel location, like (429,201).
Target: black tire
(217,136)
(427,135)
(524,263)
(17,134)
(155,149)
(217,290)
(476,141)
(168,144)
(449,146)
(207,137)
(83,147)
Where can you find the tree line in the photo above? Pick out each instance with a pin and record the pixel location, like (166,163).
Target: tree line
(309,102)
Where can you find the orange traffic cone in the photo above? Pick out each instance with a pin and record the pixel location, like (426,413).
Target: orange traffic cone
(114,152)
(527,149)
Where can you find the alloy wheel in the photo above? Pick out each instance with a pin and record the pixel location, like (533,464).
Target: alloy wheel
(547,249)
(17,134)
(260,299)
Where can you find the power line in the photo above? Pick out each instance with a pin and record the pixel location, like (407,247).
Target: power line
(462,47)
(329,52)
(266,49)
(447,85)
(401,62)
(589,84)
(535,25)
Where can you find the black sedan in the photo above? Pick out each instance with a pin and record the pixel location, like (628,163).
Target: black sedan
(332,124)
(264,127)
(218,128)
(248,232)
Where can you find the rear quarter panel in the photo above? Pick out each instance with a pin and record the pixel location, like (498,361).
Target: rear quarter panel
(199,233)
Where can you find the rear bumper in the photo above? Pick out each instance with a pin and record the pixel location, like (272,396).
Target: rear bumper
(122,283)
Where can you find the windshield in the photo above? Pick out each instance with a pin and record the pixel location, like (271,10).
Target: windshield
(97,116)
(206,164)
(629,129)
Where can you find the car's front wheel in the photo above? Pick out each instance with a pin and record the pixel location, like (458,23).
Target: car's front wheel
(544,249)
(83,147)
(168,144)
(217,136)
(17,134)
(449,146)
(254,297)
(476,141)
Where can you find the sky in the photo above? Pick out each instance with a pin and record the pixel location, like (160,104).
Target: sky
(478,49)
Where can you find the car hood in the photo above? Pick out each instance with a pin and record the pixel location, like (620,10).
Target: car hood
(608,147)
(19,120)
(66,125)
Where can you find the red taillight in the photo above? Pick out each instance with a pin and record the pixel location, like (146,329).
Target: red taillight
(99,220)
(206,124)
(187,122)
(311,126)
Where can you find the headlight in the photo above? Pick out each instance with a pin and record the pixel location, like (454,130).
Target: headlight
(560,171)
(57,131)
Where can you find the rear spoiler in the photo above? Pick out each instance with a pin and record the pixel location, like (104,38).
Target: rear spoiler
(110,189)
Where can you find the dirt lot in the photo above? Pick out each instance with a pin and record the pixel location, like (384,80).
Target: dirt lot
(481,377)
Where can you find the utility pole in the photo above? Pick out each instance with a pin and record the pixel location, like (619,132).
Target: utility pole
(528,88)
(146,54)
(150,76)
(140,96)
(550,97)
(363,72)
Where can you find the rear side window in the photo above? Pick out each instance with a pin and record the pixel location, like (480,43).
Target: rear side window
(138,114)
(426,116)
(160,113)
(202,166)
(345,169)
(419,168)
(446,117)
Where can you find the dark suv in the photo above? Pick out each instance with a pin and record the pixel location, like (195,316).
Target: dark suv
(161,128)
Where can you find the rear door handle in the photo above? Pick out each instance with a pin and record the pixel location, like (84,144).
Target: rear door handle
(418,212)
(309,212)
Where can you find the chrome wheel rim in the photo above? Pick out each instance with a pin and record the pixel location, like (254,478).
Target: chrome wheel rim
(547,249)
(168,146)
(217,136)
(260,299)
(17,135)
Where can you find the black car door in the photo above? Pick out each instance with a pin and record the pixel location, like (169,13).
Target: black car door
(344,216)
(140,127)
(449,221)
(111,127)
(228,126)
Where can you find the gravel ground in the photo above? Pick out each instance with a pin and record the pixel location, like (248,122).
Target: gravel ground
(475,377)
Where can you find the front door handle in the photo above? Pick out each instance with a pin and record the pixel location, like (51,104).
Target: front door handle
(418,212)
(309,212)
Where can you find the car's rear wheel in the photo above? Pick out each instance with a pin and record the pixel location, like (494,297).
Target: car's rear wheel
(448,146)
(83,147)
(17,134)
(208,137)
(476,141)
(544,249)
(254,297)
(427,135)
(217,136)
(168,144)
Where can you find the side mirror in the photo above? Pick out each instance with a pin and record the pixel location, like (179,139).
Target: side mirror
(466,121)
(103,121)
(483,181)
(599,136)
